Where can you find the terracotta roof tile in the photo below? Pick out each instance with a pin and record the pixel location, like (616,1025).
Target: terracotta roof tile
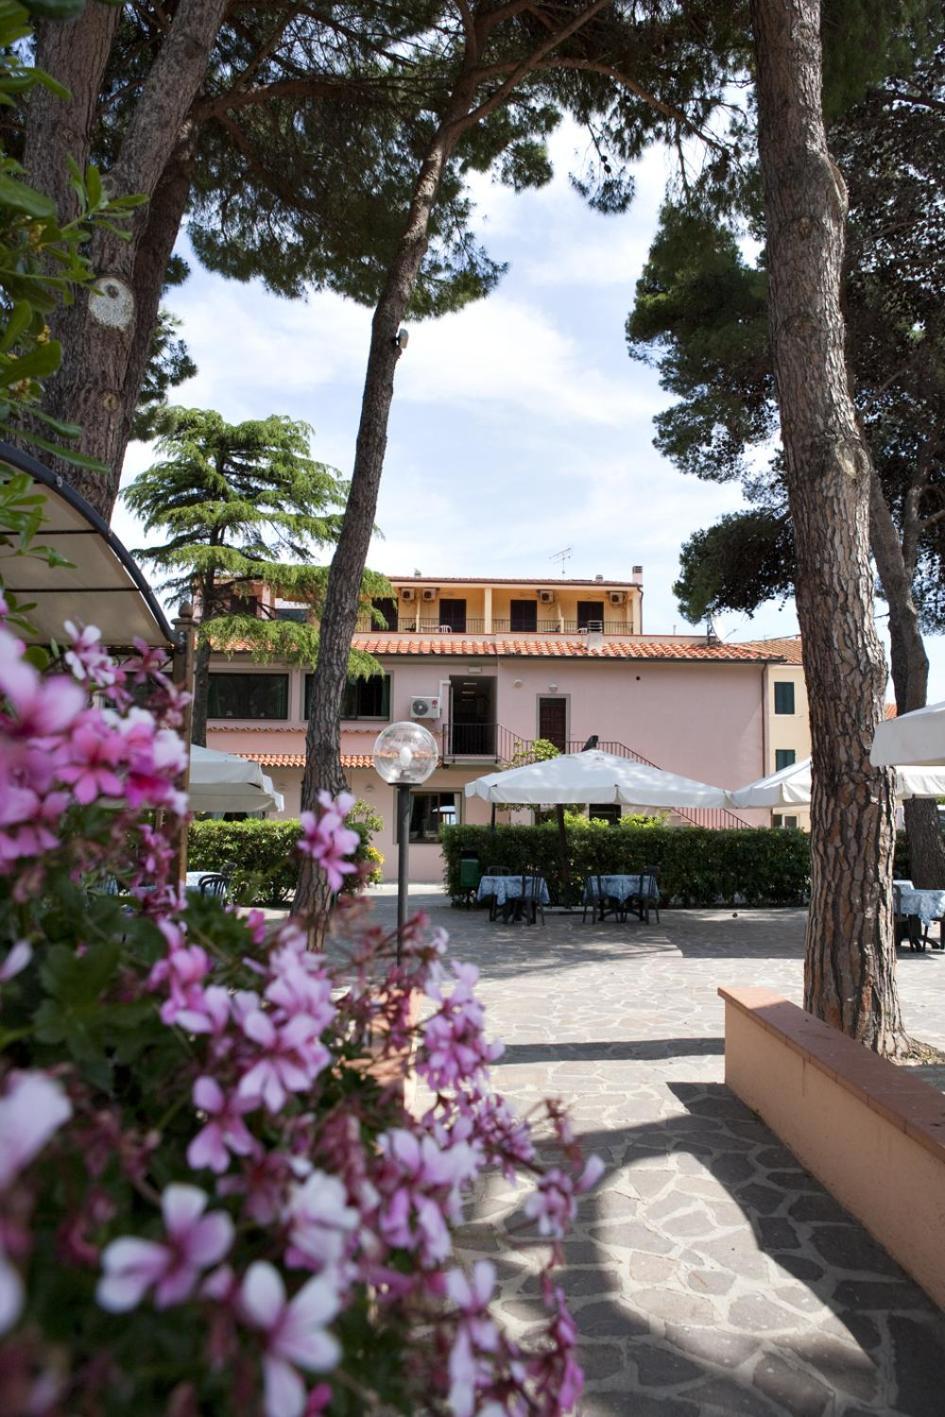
(297,760)
(890,711)
(558,647)
(786,647)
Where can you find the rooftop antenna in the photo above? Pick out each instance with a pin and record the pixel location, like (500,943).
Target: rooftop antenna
(562,556)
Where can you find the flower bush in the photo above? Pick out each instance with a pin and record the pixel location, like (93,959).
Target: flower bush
(260,857)
(212,1195)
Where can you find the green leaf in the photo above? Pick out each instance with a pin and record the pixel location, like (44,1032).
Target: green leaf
(93,185)
(38,363)
(20,318)
(25,199)
(56,9)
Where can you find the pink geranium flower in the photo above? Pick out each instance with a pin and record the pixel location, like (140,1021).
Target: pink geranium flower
(42,706)
(328,841)
(194,1242)
(292,1057)
(95,749)
(87,659)
(33,1107)
(295,1333)
(225,1130)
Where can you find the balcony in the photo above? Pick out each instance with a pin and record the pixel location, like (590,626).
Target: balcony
(407,624)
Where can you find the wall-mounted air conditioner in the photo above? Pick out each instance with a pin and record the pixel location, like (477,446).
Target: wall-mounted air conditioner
(407,592)
(546,597)
(425,708)
(428,593)
(617,597)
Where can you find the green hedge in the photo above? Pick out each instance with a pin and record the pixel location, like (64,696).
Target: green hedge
(756,866)
(265,856)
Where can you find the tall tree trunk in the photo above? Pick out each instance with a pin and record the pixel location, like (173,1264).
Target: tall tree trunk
(339,615)
(198,722)
(910,675)
(100,330)
(76,54)
(850,956)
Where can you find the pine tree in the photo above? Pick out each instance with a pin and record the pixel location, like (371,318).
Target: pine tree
(242,505)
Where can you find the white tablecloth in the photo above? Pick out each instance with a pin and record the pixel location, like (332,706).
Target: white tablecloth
(506,888)
(924,904)
(620,887)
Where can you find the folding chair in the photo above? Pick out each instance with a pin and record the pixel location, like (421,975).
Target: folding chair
(496,871)
(470,874)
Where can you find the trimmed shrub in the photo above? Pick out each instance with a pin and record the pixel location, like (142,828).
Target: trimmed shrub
(698,867)
(262,859)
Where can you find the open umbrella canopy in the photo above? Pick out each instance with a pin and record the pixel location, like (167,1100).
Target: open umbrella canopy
(791,787)
(222,782)
(916,738)
(594,777)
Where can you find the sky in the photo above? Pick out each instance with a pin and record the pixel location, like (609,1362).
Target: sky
(520,427)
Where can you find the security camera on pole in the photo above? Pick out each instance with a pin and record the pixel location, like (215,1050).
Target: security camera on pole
(405,754)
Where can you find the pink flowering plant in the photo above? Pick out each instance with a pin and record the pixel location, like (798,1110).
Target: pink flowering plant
(232,1168)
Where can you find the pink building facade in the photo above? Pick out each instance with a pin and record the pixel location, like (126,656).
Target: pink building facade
(571,668)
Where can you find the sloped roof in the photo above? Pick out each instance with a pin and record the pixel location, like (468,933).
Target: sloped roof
(559,647)
(786,647)
(297,760)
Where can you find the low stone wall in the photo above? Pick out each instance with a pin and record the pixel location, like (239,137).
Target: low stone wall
(870,1132)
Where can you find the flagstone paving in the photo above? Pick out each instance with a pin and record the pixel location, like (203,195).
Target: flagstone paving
(708,1274)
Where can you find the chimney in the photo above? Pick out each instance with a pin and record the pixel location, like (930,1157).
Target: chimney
(636,572)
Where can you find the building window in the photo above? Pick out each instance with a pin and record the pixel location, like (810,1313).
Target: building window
(783,758)
(431,810)
(363,698)
(609,812)
(787,823)
(524,614)
(386,606)
(452,613)
(248,696)
(590,614)
(296,613)
(783,696)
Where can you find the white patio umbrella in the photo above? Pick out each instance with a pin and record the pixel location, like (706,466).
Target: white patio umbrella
(791,787)
(222,782)
(594,776)
(916,738)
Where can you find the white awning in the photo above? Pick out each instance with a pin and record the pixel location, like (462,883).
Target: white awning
(916,738)
(594,777)
(791,787)
(222,782)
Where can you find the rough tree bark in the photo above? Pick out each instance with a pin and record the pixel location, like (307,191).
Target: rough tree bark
(850,956)
(910,674)
(102,330)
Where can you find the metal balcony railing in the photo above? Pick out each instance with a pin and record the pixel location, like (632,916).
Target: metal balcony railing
(406,623)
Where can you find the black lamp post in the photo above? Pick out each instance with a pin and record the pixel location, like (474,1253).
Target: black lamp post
(405,754)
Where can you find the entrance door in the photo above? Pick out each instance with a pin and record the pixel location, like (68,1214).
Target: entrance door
(453,613)
(553,722)
(590,614)
(472,717)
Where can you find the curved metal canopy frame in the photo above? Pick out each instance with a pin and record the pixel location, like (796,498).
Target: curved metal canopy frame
(104,586)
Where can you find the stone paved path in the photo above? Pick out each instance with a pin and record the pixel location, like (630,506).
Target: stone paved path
(709,1274)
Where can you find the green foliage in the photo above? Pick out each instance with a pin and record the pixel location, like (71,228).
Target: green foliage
(42,260)
(697,867)
(169,364)
(239,505)
(741,561)
(701,316)
(538,750)
(265,857)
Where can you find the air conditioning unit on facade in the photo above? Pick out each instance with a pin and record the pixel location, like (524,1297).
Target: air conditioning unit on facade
(546,597)
(429,593)
(617,597)
(407,592)
(425,708)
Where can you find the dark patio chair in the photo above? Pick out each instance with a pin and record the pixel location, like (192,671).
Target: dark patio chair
(530,902)
(496,871)
(599,902)
(213,886)
(648,896)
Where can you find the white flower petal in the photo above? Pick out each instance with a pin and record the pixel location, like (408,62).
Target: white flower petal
(33,1107)
(263,1294)
(284,1389)
(181,1206)
(11,1295)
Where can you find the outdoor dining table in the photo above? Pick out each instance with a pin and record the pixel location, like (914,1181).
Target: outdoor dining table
(506,888)
(921,907)
(621,888)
